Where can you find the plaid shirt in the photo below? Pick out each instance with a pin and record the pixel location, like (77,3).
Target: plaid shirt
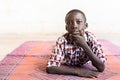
(66,53)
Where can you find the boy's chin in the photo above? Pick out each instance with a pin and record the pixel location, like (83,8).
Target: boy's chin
(76,34)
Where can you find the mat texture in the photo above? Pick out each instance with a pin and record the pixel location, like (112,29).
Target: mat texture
(28,62)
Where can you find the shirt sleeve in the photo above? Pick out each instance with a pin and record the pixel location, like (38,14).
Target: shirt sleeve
(57,55)
(96,47)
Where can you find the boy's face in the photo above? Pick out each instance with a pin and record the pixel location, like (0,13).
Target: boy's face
(75,24)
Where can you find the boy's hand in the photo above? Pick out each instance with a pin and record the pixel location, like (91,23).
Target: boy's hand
(87,73)
(79,40)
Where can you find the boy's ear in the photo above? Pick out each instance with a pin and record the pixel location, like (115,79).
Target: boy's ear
(86,25)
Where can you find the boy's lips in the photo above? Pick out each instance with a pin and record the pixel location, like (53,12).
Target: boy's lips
(75,32)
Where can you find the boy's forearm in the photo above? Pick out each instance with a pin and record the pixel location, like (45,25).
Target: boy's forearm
(81,72)
(61,70)
(95,60)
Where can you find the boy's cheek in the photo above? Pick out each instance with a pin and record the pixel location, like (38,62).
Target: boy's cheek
(81,32)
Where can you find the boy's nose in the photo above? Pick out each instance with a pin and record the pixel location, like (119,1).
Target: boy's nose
(75,25)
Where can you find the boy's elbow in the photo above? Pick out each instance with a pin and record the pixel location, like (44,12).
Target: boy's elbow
(49,70)
(101,68)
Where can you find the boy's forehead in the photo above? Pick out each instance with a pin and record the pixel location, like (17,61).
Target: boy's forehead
(75,15)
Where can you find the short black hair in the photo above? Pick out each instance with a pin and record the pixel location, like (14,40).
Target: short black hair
(74,11)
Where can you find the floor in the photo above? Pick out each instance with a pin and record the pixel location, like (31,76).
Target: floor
(10,41)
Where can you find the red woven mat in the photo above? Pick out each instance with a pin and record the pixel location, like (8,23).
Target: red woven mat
(28,62)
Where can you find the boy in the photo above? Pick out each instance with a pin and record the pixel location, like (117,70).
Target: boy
(75,48)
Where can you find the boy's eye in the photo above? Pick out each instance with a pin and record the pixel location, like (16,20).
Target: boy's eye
(70,23)
(78,22)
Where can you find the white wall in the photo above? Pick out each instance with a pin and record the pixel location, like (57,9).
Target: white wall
(48,15)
